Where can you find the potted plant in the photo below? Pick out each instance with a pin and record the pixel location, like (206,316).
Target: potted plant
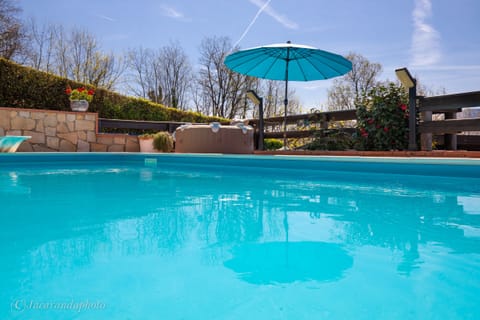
(79,98)
(163,141)
(146,142)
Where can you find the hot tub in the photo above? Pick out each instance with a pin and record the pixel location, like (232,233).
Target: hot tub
(214,138)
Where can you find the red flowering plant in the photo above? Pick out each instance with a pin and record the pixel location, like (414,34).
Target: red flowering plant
(382,119)
(80,93)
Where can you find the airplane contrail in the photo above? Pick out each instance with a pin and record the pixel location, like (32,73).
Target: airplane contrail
(262,8)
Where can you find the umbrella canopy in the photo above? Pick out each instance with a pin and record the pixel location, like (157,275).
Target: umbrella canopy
(288,62)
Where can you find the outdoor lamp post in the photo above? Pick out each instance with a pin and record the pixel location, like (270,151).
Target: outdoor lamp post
(252,95)
(409,82)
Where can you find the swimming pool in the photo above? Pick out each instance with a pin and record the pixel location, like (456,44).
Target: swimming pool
(169,236)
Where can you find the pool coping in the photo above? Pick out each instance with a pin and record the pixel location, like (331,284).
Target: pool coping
(305,165)
(289,156)
(397,154)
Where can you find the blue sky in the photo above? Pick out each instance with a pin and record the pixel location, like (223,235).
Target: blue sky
(437,40)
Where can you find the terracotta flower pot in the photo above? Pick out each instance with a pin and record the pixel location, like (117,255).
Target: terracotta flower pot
(146,145)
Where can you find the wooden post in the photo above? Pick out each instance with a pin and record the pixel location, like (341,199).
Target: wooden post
(412,118)
(324,122)
(426,138)
(450,138)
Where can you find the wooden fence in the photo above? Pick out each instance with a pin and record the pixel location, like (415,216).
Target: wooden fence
(445,132)
(449,106)
(311,123)
(137,125)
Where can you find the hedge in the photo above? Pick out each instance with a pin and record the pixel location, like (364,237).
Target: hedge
(24,87)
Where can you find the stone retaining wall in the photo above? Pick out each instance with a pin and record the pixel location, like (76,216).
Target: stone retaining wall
(62,131)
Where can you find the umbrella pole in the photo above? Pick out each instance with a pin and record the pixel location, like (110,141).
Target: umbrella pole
(285,117)
(286,101)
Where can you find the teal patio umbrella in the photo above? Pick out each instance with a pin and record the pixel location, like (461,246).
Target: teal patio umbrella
(288,62)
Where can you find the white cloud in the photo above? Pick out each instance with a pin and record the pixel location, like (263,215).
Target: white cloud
(425,39)
(171,12)
(104,17)
(282,19)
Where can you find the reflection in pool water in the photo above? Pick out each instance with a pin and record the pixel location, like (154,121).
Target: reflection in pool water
(169,243)
(285,262)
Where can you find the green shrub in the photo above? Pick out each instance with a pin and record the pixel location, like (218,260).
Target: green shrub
(272,144)
(337,140)
(163,141)
(147,136)
(382,119)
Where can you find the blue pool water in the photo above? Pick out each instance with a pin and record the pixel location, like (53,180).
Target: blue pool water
(118,236)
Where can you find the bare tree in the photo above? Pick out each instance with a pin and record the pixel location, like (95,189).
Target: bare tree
(272,101)
(346,91)
(11,35)
(163,76)
(139,63)
(199,97)
(87,63)
(75,55)
(175,75)
(41,45)
(222,88)
(273,94)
